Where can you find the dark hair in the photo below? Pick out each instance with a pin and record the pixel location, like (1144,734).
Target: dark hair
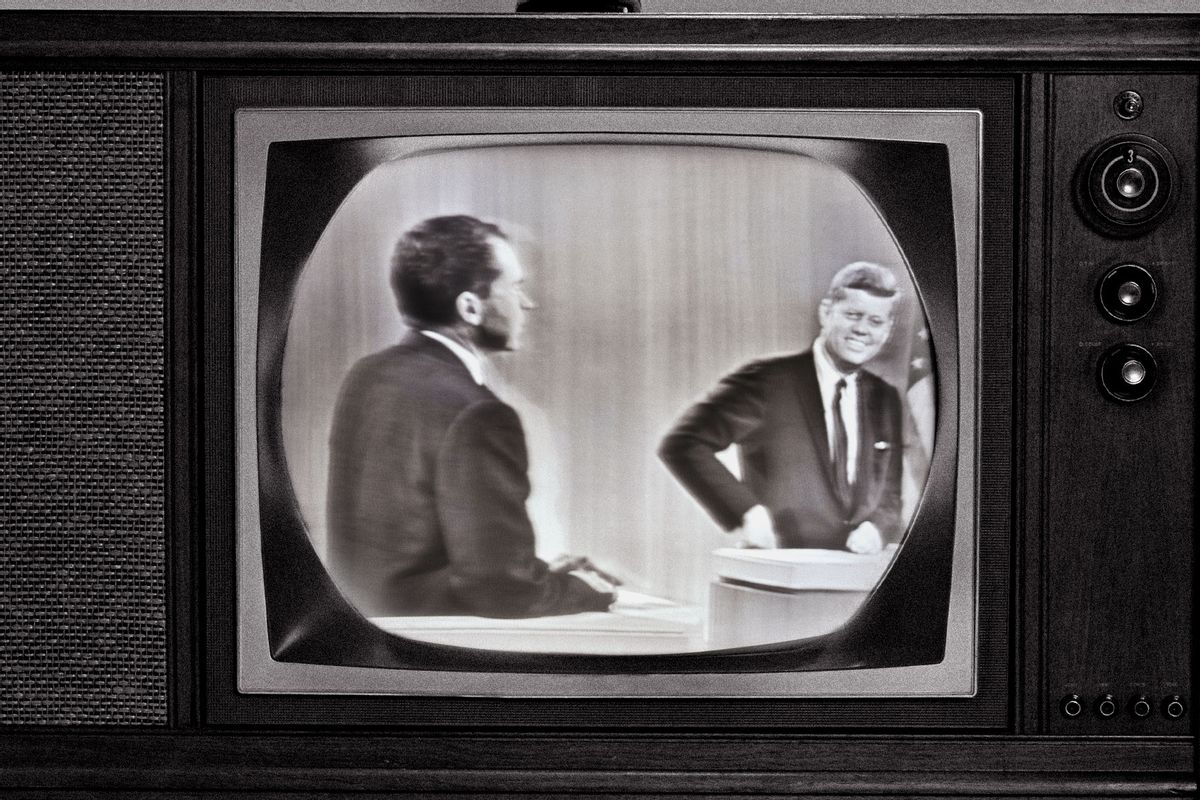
(439,259)
(871,278)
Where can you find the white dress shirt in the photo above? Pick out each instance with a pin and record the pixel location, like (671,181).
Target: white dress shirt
(827,377)
(469,359)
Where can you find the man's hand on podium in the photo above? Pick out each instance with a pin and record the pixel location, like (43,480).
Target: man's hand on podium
(583,568)
(757,531)
(865,539)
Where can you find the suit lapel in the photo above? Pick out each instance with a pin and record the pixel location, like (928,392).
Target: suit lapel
(808,392)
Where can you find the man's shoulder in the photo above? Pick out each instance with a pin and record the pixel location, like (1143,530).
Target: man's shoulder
(413,353)
(765,377)
(789,360)
(415,369)
(782,364)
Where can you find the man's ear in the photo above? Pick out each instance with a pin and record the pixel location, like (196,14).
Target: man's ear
(823,310)
(470,308)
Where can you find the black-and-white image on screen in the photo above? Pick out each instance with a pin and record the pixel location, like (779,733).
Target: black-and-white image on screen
(613,394)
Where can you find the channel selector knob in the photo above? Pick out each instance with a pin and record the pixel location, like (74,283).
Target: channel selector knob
(1131,182)
(1125,185)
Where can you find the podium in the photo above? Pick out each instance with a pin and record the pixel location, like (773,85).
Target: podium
(768,596)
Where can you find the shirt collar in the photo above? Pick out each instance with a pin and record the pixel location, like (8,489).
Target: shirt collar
(469,359)
(827,373)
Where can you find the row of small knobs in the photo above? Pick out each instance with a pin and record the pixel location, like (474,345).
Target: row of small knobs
(1106,705)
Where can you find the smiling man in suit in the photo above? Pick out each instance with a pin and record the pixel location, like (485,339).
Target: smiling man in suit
(820,437)
(428,468)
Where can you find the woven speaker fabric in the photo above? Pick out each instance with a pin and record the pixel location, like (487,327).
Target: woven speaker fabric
(83,637)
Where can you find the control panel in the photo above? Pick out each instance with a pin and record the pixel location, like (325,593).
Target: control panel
(1118,403)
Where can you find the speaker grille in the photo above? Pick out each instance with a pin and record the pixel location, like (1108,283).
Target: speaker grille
(82,552)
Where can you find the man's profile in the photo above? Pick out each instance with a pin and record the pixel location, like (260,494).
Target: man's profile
(820,437)
(428,468)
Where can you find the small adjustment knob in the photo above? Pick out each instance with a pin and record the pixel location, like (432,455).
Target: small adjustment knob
(1128,105)
(1106,705)
(1127,293)
(1141,707)
(1071,705)
(1127,372)
(1174,707)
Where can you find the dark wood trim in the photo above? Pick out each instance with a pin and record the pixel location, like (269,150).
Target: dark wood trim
(1063,38)
(182,446)
(526,783)
(855,766)
(1030,249)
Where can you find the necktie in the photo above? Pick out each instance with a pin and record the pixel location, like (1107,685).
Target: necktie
(841,447)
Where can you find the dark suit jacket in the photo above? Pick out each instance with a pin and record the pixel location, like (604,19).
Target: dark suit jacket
(427,489)
(772,409)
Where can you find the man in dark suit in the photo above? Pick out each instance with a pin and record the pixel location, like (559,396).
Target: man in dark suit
(820,437)
(428,468)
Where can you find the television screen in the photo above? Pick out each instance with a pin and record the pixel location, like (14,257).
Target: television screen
(554,401)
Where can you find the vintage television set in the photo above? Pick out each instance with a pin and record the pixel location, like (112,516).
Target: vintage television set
(203,212)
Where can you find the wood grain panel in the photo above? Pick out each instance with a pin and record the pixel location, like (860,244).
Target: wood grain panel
(610,765)
(1118,533)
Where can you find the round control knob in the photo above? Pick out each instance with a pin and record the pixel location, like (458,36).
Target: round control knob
(1127,372)
(1128,105)
(1127,184)
(1131,182)
(1106,705)
(1173,707)
(1071,705)
(1133,372)
(1141,707)
(1127,293)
